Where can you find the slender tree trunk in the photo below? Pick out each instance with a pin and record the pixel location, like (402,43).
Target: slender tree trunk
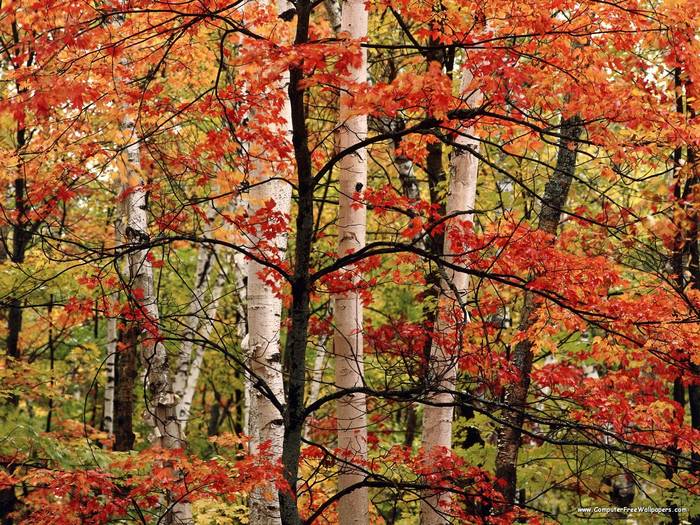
(240,266)
(297,336)
(205,330)
(112,338)
(110,371)
(353,509)
(205,265)
(159,399)
(20,240)
(125,379)
(515,397)
(694,269)
(442,372)
(49,415)
(409,185)
(677,270)
(266,424)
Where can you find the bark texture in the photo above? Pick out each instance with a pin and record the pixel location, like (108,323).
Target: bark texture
(265,422)
(351,415)
(125,379)
(112,340)
(442,371)
(159,399)
(515,397)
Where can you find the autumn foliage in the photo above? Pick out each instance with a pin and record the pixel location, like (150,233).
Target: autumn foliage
(594,319)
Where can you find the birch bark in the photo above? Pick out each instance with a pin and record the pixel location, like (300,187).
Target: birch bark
(437,420)
(197,306)
(160,399)
(265,422)
(112,340)
(353,508)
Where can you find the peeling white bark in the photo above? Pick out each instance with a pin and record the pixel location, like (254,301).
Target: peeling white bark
(334,14)
(160,399)
(437,420)
(264,322)
(110,365)
(112,340)
(351,412)
(264,314)
(241,279)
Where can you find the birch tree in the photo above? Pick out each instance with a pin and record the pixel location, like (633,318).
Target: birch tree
(442,372)
(265,421)
(204,331)
(160,400)
(347,310)
(202,281)
(112,339)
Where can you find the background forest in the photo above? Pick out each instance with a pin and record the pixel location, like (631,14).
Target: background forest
(389,262)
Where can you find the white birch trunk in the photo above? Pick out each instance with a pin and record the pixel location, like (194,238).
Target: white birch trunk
(437,420)
(205,264)
(241,268)
(110,365)
(264,322)
(112,340)
(353,509)
(205,330)
(160,400)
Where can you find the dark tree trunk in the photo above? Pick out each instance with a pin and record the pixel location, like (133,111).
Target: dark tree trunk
(51,368)
(8,500)
(20,239)
(214,414)
(297,337)
(694,269)
(411,424)
(125,379)
(515,396)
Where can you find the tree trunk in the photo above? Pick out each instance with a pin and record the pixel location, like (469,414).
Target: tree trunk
(20,240)
(205,264)
(298,334)
(125,379)
(442,371)
(264,325)
(515,397)
(112,338)
(205,330)
(110,370)
(240,267)
(353,509)
(159,398)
